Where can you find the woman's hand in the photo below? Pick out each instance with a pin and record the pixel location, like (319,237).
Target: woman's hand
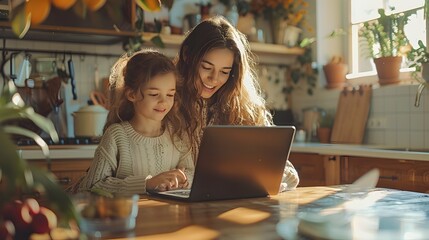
(169,180)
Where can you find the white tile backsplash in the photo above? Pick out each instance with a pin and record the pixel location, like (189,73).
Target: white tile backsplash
(404,125)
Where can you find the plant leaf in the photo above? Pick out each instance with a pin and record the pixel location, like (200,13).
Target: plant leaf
(25,132)
(59,200)
(20,21)
(157,41)
(12,167)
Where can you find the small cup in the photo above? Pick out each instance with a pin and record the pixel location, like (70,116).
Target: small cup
(300,136)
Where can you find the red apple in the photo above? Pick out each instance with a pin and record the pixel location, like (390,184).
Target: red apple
(7,230)
(44,221)
(33,205)
(19,214)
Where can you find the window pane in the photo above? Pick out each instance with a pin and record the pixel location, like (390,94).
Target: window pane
(404,5)
(364,10)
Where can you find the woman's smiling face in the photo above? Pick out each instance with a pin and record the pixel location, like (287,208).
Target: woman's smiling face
(214,71)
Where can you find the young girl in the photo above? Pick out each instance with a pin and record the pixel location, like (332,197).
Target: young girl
(220,85)
(143,147)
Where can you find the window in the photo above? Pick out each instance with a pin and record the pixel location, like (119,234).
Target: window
(365,10)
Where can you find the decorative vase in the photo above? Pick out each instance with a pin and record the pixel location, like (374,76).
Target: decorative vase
(335,74)
(324,134)
(291,35)
(388,69)
(278,30)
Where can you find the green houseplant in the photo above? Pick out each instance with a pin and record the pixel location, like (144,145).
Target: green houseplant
(419,59)
(386,43)
(19,181)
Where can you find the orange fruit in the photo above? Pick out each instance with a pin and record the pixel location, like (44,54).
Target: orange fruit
(63,4)
(39,10)
(94,5)
(149,5)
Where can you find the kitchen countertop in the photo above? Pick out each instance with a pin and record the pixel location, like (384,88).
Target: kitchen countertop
(87,151)
(362,151)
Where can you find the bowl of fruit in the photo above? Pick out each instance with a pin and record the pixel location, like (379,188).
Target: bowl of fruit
(27,219)
(102,215)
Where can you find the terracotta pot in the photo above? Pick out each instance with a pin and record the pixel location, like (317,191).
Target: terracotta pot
(324,134)
(388,69)
(335,74)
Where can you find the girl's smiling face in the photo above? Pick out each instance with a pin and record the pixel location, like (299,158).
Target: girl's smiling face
(214,71)
(157,99)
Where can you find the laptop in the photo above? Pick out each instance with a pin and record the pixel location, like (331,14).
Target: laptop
(238,162)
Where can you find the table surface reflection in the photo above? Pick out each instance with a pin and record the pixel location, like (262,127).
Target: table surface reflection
(253,218)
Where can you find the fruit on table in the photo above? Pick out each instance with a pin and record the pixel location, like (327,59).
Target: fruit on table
(102,207)
(7,230)
(23,218)
(18,213)
(44,221)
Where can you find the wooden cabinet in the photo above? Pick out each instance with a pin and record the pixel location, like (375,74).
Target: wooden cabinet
(67,171)
(398,174)
(112,23)
(315,169)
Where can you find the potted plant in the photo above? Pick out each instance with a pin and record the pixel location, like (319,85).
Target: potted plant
(324,130)
(23,186)
(336,69)
(386,42)
(419,59)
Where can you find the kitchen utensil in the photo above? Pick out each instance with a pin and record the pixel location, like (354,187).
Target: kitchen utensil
(98,98)
(89,121)
(351,115)
(24,69)
(42,95)
(72,77)
(61,70)
(311,122)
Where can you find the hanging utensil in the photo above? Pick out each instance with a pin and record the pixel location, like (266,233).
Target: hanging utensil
(61,70)
(72,77)
(98,98)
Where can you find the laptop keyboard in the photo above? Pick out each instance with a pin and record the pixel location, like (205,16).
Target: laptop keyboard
(182,192)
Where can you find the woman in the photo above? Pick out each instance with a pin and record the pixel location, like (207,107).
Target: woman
(220,85)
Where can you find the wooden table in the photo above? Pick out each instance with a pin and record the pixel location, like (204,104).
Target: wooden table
(254,218)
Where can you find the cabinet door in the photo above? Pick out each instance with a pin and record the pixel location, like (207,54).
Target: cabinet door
(398,174)
(417,178)
(67,171)
(315,169)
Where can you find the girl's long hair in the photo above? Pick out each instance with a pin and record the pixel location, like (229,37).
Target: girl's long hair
(240,100)
(131,73)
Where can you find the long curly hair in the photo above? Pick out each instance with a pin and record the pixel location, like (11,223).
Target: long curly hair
(239,101)
(131,73)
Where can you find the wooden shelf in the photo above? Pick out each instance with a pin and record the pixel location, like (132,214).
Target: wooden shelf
(266,53)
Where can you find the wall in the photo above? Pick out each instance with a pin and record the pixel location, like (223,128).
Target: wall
(87,68)
(393,120)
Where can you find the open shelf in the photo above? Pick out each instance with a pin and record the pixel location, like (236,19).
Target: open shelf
(266,53)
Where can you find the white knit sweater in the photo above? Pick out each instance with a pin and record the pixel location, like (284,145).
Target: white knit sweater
(124,159)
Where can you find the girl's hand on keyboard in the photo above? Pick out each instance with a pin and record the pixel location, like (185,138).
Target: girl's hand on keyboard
(169,180)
